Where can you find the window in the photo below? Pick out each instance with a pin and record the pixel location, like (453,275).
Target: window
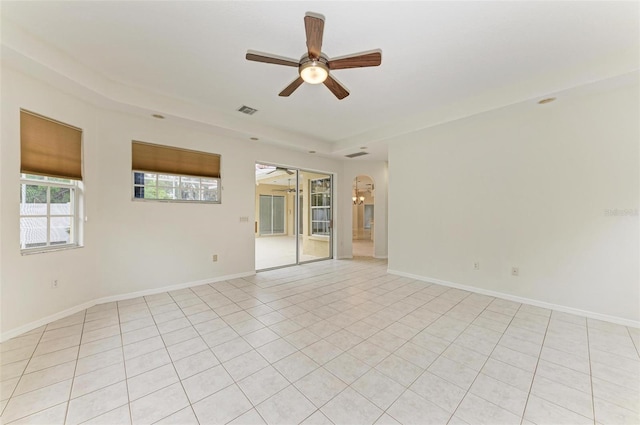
(171,187)
(50,183)
(320,206)
(165,173)
(48,211)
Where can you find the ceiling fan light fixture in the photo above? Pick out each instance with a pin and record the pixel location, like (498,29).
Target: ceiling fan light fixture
(314,72)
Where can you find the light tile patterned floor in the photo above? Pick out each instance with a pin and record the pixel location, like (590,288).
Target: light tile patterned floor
(332,342)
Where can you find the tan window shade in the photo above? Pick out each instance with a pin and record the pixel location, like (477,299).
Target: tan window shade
(49,148)
(165,159)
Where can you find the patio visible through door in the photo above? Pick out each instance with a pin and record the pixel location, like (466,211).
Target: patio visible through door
(293,216)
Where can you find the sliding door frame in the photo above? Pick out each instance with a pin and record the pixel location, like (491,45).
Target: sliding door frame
(297,230)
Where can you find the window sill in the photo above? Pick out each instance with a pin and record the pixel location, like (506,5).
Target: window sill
(49,249)
(319,237)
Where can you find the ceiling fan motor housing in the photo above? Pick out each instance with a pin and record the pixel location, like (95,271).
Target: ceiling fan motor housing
(314,71)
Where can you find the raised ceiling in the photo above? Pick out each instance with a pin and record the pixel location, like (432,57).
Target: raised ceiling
(440,60)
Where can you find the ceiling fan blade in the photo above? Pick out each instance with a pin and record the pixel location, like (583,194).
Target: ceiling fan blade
(314,26)
(336,88)
(357,60)
(291,87)
(269,58)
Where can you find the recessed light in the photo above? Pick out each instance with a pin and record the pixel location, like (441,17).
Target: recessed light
(160,117)
(253,138)
(312,151)
(363,147)
(547,100)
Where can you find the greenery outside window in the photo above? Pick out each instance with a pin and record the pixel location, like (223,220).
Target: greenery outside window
(48,212)
(50,183)
(320,192)
(172,174)
(172,187)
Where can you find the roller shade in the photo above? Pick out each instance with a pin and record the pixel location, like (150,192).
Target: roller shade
(49,148)
(165,159)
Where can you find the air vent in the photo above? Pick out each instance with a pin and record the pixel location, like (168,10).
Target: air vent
(247,110)
(357,154)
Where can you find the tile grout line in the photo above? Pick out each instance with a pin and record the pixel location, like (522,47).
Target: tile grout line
(593,402)
(75,367)
(559,382)
(100,368)
(172,364)
(220,363)
(633,341)
(22,374)
(533,378)
(254,407)
(46,408)
(271,364)
(54,383)
(124,365)
(386,411)
(468,391)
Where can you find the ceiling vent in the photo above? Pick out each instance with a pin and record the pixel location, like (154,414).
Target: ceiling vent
(247,110)
(357,154)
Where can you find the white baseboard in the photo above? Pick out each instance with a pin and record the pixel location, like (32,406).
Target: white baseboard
(537,303)
(75,309)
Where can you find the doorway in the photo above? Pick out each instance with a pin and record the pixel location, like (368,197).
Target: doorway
(363,220)
(293,216)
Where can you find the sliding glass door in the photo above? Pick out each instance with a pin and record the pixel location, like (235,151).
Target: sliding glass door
(272,215)
(293,216)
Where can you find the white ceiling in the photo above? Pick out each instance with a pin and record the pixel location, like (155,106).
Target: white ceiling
(440,60)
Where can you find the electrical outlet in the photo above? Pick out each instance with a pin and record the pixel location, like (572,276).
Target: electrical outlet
(244,219)
(54,284)
(476,265)
(214,258)
(515,271)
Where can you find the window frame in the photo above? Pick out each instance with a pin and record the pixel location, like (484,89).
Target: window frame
(75,196)
(316,207)
(134,185)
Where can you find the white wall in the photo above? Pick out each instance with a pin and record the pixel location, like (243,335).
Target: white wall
(129,245)
(526,186)
(26,294)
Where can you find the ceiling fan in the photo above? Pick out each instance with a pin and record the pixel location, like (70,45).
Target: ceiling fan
(314,67)
(288,190)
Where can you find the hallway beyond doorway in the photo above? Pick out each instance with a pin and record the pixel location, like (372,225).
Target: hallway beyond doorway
(362,248)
